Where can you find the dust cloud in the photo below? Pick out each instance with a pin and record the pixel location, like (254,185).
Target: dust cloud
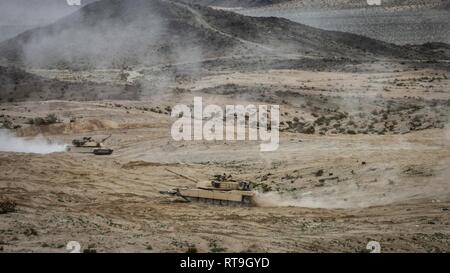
(10,143)
(276,199)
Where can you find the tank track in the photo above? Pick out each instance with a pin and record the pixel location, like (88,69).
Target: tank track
(246,202)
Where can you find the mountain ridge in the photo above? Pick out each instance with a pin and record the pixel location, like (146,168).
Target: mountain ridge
(119,33)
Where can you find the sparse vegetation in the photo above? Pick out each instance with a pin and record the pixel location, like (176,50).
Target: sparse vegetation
(7,206)
(192,249)
(30,232)
(47,120)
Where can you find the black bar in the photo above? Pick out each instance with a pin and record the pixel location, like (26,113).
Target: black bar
(239,262)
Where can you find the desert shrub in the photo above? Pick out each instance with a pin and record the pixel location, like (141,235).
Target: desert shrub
(319,173)
(51,118)
(192,249)
(30,232)
(7,206)
(7,124)
(39,121)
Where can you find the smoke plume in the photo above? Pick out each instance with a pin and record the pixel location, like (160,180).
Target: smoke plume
(10,143)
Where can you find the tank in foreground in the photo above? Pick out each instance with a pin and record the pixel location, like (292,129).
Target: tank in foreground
(226,193)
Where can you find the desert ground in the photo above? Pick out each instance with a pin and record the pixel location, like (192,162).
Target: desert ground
(364,150)
(318,192)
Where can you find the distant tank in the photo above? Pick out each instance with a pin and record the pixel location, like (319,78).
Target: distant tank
(218,191)
(102,151)
(90,145)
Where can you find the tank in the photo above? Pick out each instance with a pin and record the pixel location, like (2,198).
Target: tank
(219,191)
(90,145)
(88,142)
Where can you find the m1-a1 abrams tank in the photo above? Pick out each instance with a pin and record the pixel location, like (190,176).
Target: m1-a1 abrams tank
(90,146)
(220,191)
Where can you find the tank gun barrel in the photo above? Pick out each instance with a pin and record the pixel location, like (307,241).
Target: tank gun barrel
(183,176)
(103,140)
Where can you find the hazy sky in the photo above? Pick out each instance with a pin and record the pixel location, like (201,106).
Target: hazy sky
(19,15)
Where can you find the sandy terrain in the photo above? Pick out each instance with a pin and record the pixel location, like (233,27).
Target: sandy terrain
(364,133)
(331,192)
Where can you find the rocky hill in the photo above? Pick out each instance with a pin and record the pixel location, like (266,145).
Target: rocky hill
(18,85)
(117,33)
